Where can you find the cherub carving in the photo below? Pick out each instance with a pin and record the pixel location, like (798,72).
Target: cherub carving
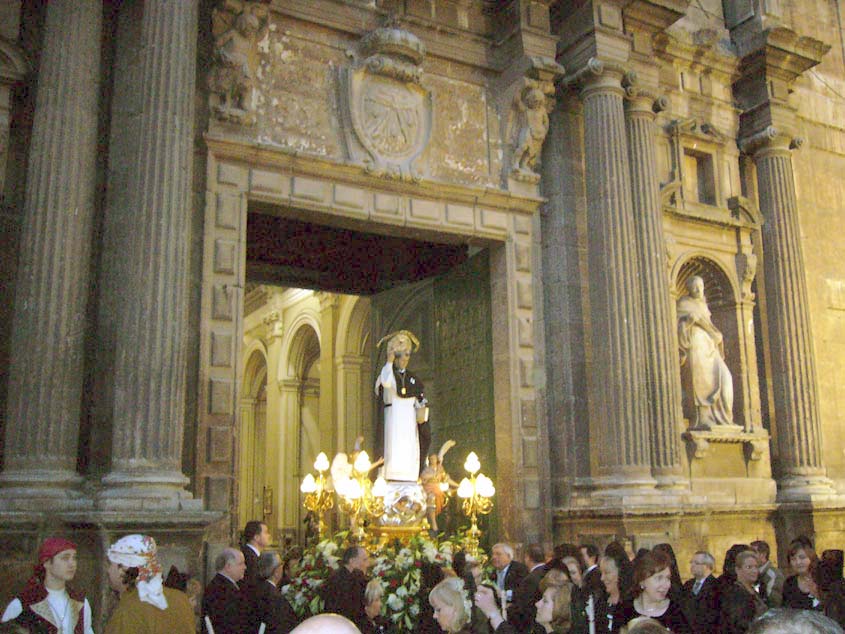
(238,27)
(532,106)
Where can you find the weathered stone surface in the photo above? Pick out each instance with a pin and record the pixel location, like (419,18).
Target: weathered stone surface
(46,373)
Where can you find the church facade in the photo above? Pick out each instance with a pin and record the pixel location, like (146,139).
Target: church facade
(213,211)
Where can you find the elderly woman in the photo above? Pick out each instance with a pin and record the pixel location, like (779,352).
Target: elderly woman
(741,603)
(652,581)
(452,607)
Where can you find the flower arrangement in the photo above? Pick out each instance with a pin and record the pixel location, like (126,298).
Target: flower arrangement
(399,567)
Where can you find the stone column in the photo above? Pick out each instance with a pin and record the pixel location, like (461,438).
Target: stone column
(662,379)
(46,369)
(801,472)
(329,431)
(150,342)
(616,369)
(291,472)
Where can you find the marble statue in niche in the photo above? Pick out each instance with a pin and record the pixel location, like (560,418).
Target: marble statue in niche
(702,352)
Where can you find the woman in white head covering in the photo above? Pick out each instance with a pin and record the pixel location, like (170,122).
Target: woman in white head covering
(146,606)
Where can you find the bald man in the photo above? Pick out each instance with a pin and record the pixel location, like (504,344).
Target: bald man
(326,624)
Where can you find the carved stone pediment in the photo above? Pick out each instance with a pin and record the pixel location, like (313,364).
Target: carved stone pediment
(387,113)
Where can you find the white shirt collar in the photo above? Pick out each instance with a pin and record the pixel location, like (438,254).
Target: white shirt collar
(254,549)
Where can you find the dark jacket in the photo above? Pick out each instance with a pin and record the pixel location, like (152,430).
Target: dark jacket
(672,619)
(795,598)
(272,609)
(522,610)
(250,579)
(702,609)
(516,573)
(343,593)
(226,605)
(738,608)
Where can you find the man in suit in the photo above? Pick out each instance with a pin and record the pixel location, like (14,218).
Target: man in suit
(343,592)
(592,584)
(508,573)
(700,595)
(270,606)
(223,600)
(523,611)
(256,539)
(770,578)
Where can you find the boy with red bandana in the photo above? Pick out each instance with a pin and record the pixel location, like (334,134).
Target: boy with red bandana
(46,605)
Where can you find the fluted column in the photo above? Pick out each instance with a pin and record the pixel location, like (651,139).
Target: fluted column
(616,359)
(46,370)
(793,381)
(150,342)
(662,379)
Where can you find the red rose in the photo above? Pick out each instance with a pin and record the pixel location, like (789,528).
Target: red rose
(394,583)
(418,564)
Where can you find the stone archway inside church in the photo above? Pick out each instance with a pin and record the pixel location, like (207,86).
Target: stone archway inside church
(252,435)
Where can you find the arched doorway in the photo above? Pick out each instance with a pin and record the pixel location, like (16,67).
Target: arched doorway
(252,432)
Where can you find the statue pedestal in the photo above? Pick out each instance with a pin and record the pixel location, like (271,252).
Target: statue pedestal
(404,506)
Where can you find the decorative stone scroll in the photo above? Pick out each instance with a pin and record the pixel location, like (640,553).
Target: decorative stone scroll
(237,27)
(533,100)
(387,112)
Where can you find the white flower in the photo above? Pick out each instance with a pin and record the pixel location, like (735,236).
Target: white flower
(402,591)
(394,603)
(414,609)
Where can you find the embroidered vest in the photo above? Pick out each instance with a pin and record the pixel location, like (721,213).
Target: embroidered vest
(37,616)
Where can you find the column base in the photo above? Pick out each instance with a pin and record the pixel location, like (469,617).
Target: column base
(146,490)
(811,488)
(32,489)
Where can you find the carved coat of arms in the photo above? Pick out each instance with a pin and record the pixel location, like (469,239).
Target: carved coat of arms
(387,113)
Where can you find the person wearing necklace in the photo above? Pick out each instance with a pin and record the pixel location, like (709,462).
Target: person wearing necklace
(46,603)
(741,603)
(609,617)
(800,591)
(652,581)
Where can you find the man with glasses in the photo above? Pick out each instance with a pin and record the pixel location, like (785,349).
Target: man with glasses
(701,594)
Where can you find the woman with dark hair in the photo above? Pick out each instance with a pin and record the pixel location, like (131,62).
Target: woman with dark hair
(430,576)
(578,595)
(828,577)
(800,591)
(676,590)
(290,565)
(652,580)
(741,603)
(728,575)
(609,612)
(623,563)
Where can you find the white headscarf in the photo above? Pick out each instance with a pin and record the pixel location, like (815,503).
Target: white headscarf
(139,551)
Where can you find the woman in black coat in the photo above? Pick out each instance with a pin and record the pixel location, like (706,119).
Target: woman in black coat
(741,603)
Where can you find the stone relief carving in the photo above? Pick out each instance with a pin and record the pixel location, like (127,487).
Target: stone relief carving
(532,102)
(746,268)
(237,26)
(387,112)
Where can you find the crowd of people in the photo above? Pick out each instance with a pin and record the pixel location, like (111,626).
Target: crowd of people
(577,590)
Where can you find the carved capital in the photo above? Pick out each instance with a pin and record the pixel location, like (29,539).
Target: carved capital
(274,322)
(770,140)
(238,26)
(386,110)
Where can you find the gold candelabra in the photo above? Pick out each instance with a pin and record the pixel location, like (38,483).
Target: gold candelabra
(477,493)
(360,498)
(318,498)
